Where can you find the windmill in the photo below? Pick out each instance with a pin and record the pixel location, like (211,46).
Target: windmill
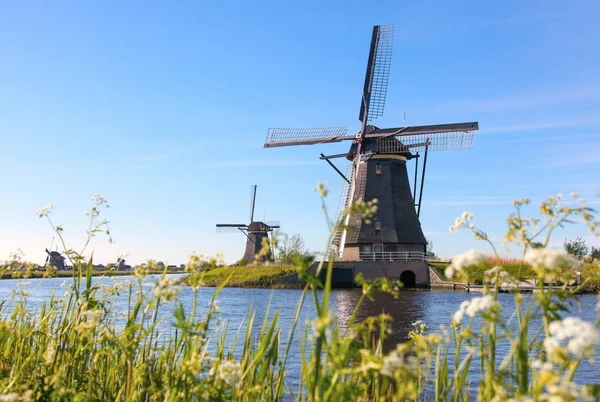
(378,167)
(255,231)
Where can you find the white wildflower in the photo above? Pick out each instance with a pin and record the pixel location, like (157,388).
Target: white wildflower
(9,397)
(230,372)
(467,216)
(419,326)
(166,289)
(213,307)
(543,367)
(461,221)
(473,307)
(44,211)
(398,360)
(471,257)
(99,200)
(578,336)
(548,264)
(504,278)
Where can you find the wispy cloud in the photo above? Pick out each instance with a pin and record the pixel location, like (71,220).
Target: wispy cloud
(546,125)
(557,94)
(588,156)
(261,163)
(146,158)
(540,138)
(470,201)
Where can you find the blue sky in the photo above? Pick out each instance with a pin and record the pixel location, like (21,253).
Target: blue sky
(163,110)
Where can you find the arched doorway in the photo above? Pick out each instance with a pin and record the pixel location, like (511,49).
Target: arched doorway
(409,279)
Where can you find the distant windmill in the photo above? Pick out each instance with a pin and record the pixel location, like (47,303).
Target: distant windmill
(55,259)
(378,169)
(255,231)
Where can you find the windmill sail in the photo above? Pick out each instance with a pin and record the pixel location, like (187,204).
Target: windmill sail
(283,137)
(440,137)
(378,73)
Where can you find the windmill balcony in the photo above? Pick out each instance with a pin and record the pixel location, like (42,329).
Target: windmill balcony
(392,256)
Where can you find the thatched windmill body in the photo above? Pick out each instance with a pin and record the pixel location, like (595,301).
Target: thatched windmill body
(378,167)
(256,232)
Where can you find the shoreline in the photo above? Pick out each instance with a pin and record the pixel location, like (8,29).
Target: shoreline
(69,274)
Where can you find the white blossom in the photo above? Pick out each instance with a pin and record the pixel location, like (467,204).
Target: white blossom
(214,307)
(473,307)
(471,257)
(548,263)
(166,289)
(44,211)
(398,360)
(461,221)
(230,372)
(99,200)
(578,336)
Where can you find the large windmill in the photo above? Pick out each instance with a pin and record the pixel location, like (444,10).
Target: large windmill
(256,231)
(378,165)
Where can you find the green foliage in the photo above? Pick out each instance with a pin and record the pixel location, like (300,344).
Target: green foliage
(242,262)
(595,253)
(247,275)
(576,248)
(430,253)
(73,349)
(290,248)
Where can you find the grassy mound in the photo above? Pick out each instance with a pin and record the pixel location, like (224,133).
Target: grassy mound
(249,276)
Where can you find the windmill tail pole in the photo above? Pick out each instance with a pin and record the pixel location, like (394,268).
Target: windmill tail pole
(336,169)
(423,178)
(415,182)
(253,204)
(350,200)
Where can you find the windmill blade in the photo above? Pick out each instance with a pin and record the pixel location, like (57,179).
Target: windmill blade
(230,227)
(252,201)
(440,137)
(355,168)
(326,157)
(273,224)
(378,73)
(283,137)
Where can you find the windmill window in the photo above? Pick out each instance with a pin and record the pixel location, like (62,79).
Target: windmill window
(378,168)
(377,225)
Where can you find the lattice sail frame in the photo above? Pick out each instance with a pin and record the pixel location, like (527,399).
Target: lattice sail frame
(381,71)
(448,141)
(231,228)
(279,137)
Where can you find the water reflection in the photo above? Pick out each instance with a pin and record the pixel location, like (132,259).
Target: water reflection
(404,310)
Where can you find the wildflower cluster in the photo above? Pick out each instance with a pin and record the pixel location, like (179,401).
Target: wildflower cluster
(550,264)
(462,261)
(167,288)
(473,307)
(572,335)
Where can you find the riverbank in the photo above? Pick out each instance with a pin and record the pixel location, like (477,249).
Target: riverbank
(588,274)
(270,276)
(69,274)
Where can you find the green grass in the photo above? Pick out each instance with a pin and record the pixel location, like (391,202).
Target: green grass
(475,275)
(250,276)
(80,347)
(439,267)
